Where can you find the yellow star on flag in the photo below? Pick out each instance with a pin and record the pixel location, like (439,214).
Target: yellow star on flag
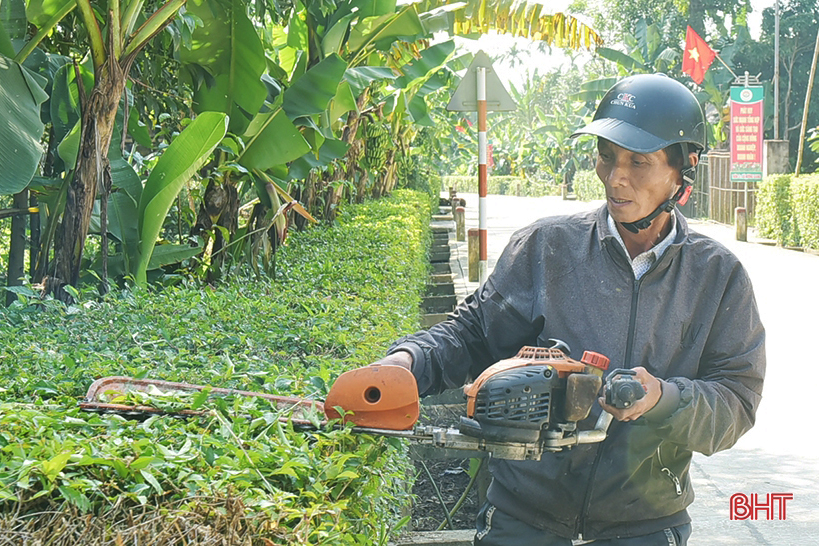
(694,54)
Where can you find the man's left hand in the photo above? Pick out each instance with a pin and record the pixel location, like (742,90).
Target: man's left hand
(653,390)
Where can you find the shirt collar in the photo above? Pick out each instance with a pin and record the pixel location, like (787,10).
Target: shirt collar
(642,262)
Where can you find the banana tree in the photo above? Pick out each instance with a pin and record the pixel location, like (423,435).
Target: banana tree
(113,48)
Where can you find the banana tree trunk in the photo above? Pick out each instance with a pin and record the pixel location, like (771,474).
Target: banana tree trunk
(92,162)
(382,184)
(348,136)
(17,245)
(228,219)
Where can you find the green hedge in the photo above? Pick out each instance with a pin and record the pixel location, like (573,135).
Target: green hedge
(787,210)
(343,293)
(806,209)
(502,185)
(588,187)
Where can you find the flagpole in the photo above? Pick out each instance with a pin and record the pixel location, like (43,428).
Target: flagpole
(726,66)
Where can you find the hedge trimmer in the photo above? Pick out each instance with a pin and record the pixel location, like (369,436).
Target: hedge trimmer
(517,408)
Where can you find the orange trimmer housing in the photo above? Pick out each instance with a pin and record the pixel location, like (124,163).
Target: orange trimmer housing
(537,356)
(384,397)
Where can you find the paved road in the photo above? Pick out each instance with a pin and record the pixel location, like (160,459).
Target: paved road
(781,453)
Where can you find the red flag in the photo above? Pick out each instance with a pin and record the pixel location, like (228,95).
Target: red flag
(697,56)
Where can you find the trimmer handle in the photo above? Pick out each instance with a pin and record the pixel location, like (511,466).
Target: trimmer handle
(622,389)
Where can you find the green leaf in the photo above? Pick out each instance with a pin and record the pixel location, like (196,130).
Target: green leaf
(69,147)
(594,89)
(53,467)
(626,61)
(333,40)
(65,98)
(272,140)
(138,130)
(21,95)
(347,475)
(432,59)
(41,12)
(200,398)
(374,8)
(383,31)
(228,46)
(12,24)
(141,463)
(361,76)
(330,150)
(420,112)
(6,48)
(163,255)
(152,480)
(74,497)
(297,38)
(343,102)
(178,164)
(312,92)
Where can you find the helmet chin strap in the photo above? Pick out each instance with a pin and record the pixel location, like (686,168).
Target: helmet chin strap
(681,196)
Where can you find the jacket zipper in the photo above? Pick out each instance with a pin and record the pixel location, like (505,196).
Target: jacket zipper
(667,471)
(581,524)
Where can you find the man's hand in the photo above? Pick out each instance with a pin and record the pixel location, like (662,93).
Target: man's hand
(398,358)
(653,392)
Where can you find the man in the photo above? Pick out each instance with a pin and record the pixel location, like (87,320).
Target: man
(629,281)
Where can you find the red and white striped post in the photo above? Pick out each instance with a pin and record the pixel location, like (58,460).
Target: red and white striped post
(483,264)
(486,92)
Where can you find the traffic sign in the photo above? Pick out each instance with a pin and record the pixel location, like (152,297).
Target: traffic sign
(464,99)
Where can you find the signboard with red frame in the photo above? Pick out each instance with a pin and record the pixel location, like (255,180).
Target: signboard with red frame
(746,133)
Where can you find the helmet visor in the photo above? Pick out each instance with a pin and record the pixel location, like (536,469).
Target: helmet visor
(624,135)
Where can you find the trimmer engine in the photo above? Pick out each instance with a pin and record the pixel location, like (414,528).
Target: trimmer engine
(515,405)
(536,397)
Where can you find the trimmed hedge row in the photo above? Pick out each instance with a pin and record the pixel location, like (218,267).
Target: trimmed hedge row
(787,209)
(502,185)
(238,475)
(588,187)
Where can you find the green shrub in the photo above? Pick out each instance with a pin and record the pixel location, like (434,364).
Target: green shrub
(774,210)
(588,187)
(342,294)
(502,185)
(787,209)
(805,191)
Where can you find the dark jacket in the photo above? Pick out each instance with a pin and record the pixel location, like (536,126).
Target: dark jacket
(691,320)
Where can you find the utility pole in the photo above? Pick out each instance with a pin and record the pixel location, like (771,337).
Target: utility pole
(776,73)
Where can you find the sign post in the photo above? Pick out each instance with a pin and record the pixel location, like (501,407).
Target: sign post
(481,90)
(746,132)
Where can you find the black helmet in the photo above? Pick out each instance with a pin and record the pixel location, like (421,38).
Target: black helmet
(648,112)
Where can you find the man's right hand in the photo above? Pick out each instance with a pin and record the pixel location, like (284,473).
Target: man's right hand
(398,358)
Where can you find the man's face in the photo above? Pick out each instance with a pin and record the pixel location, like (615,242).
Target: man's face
(636,184)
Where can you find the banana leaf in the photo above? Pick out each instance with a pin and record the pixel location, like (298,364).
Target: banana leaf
(228,47)
(272,140)
(21,94)
(178,164)
(626,61)
(312,92)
